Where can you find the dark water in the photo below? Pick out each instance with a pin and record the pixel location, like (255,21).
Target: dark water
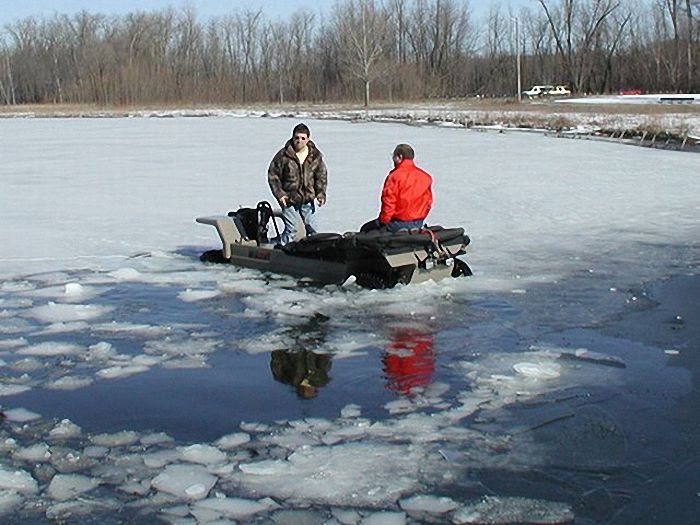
(202,404)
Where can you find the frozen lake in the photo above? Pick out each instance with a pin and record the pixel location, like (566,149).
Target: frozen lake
(559,383)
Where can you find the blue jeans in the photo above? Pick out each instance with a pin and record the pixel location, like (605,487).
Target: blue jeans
(291,216)
(391,226)
(394,226)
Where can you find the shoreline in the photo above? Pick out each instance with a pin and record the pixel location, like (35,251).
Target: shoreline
(665,126)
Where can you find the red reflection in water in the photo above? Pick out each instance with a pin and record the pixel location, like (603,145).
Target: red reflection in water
(409,360)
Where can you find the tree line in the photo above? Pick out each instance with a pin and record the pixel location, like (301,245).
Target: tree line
(361,50)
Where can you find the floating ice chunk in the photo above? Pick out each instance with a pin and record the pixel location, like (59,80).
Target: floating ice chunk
(266,467)
(139,488)
(114,372)
(255,427)
(8,445)
(189,346)
(21,415)
(54,312)
(69,383)
(428,504)
(231,441)
(157,438)
(38,453)
(189,362)
(62,328)
(190,296)
(18,481)
(503,511)
(385,518)
(202,454)
(66,429)
(66,486)
(27,364)
(15,325)
(191,482)
(143,330)
(16,286)
(50,348)
(7,344)
(538,370)
(126,274)
(68,511)
(118,439)
(346,516)
(161,458)
(436,390)
(400,406)
(234,508)
(73,289)
(11,390)
(9,501)
(354,474)
(95,451)
(350,411)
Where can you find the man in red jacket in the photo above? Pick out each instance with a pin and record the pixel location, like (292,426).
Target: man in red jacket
(407,195)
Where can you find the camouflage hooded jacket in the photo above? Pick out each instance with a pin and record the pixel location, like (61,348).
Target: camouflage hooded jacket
(300,183)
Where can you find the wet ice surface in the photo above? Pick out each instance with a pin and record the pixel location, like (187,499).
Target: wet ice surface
(541,390)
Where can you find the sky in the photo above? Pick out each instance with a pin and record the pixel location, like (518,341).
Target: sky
(11,10)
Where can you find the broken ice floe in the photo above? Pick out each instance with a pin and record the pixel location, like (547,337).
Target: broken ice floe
(231,508)
(49,349)
(57,312)
(18,481)
(507,510)
(333,474)
(67,486)
(420,503)
(187,482)
(189,295)
(21,415)
(538,370)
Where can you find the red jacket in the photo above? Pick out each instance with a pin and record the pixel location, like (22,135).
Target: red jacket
(407,194)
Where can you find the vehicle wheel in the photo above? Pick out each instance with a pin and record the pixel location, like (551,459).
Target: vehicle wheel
(213,256)
(460,268)
(374,281)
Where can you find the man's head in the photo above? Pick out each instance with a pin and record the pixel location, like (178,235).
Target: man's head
(401,152)
(300,136)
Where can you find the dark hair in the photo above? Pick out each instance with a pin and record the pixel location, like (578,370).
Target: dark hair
(301,128)
(404,151)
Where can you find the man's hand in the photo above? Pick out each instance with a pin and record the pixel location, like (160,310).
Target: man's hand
(321,201)
(284,201)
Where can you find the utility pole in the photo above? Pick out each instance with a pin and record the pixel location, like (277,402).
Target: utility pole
(517,59)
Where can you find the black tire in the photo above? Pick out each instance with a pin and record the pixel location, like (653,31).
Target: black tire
(461,269)
(374,281)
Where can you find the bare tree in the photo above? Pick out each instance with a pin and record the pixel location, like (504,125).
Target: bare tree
(361,28)
(575,25)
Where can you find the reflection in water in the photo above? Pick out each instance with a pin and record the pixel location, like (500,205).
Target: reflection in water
(298,365)
(409,359)
(303,369)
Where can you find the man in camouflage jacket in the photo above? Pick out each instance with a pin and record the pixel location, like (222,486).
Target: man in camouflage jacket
(297,177)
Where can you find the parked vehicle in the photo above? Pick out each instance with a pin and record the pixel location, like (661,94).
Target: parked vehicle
(559,91)
(547,90)
(630,92)
(538,91)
